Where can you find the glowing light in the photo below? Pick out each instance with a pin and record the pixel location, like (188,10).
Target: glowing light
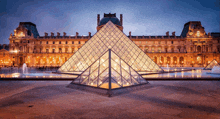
(198,33)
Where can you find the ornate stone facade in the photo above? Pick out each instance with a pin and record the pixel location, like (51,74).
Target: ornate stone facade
(192,48)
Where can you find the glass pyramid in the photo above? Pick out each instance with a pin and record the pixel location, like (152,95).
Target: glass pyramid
(109,71)
(211,64)
(109,36)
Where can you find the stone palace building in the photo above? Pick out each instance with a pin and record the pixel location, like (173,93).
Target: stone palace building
(193,48)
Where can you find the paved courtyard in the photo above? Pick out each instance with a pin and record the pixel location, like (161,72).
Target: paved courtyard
(161,100)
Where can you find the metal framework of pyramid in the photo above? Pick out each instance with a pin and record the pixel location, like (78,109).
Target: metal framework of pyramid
(211,65)
(110,72)
(109,37)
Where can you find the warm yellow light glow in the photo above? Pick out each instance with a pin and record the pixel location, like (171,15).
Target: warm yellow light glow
(198,33)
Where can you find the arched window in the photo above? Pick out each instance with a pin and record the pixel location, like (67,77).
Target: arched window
(60,50)
(175,60)
(181,60)
(199,49)
(146,49)
(152,49)
(168,60)
(199,59)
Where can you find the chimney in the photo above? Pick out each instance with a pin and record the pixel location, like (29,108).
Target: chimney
(167,33)
(52,34)
(98,19)
(46,34)
(58,34)
(64,33)
(129,33)
(121,19)
(89,34)
(77,34)
(173,33)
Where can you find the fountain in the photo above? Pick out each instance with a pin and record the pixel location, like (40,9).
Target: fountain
(167,67)
(24,68)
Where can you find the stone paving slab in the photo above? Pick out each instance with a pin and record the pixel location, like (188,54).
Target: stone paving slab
(164,100)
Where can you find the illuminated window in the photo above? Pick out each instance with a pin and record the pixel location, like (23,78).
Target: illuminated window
(53,50)
(60,50)
(152,49)
(159,49)
(198,33)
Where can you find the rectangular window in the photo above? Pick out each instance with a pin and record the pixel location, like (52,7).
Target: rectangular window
(66,50)
(171,42)
(40,42)
(59,42)
(152,49)
(79,42)
(72,50)
(53,42)
(47,42)
(72,42)
(66,42)
(53,50)
(60,50)
(47,50)
(159,42)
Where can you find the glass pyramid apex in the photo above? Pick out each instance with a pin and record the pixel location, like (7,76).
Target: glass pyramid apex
(109,36)
(109,72)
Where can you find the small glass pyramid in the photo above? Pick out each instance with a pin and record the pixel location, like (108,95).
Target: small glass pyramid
(109,36)
(211,65)
(110,72)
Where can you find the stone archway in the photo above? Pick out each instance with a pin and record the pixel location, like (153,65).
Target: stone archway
(174,61)
(168,60)
(181,60)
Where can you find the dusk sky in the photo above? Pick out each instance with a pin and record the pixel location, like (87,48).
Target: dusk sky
(141,17)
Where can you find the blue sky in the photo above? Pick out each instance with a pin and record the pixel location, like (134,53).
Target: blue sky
(141,17)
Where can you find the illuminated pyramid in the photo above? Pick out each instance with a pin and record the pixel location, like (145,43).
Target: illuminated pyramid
(109,36)
(110,72)
(211,65)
